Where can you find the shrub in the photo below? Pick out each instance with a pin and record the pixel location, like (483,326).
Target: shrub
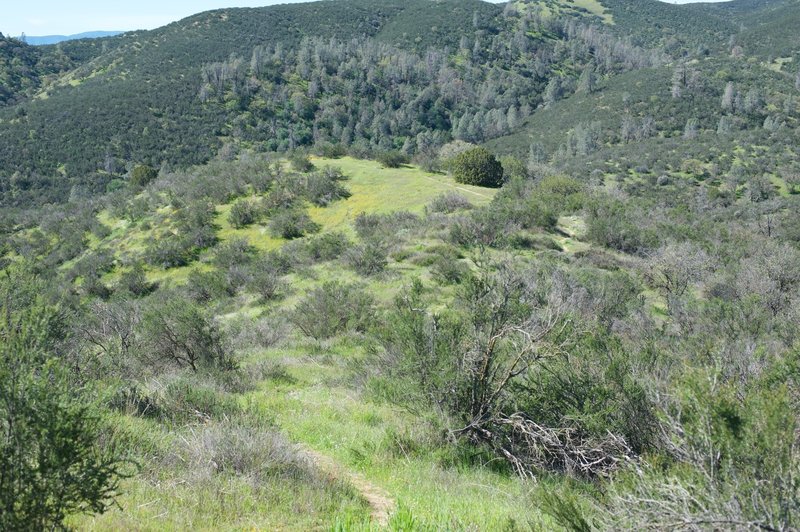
(176,331)
(236,252)
(448,202)
(249,453)
(190,398)
(541,213)
(392,159)
(265,282)
(276,260)
(614,224)
(368,258)
(51,462)
(477,167)
(332,309)
(284,195)
(385,226)
(134,281)
(256,333)
(328,246)
(170,251)
(292,224)
(513,167)
(204,287)
(142,175)
(323,188)
(449,270)
(301,162)
(332,151)
(245,212)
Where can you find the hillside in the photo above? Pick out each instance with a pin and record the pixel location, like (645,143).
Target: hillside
(165,116)
(360,265)
(273,332)
(141,97)
(177,95)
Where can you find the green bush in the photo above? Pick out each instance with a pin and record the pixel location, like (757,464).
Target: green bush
(448,203)
(368,258)
(332,309)
(326,247)
(142,175)
(324,187)
(169,251)
(51,462)
(291,224)
(245,212)
(301,162)
(176,331)
(134,281)
(392,159)
(478,167)
(332,151)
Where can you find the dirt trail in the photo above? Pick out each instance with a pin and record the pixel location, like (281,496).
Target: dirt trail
(381,503)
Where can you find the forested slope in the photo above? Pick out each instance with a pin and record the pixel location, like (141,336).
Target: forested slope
(376,77)
(442,266)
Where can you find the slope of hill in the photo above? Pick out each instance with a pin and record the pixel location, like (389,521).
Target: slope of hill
(25,69)
(17,70)
(331,312)
(770,31)
(139,101)
(292,335)
(272,79)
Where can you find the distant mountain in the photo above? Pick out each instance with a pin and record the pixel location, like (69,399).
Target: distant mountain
(55,39)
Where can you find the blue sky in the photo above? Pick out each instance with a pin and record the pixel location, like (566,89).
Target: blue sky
(59,17)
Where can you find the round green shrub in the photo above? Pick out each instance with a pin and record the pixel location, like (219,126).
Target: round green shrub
(478,167)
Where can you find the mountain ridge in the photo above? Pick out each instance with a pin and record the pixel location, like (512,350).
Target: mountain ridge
(41,40)
(138,93)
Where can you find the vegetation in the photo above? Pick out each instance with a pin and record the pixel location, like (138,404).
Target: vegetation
(51,462)
(420,266)
(477,167)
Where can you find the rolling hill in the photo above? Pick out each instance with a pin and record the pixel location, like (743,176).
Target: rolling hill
(141,97)
(253,275)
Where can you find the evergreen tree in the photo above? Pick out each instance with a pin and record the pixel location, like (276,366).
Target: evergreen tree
(553,92)
(536,154)
(51,464)
(479,167)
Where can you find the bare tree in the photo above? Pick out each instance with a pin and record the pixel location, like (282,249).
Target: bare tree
(506,344)
(674,268)
(729,97)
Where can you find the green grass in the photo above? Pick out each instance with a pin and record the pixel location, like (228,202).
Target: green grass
(177,496)
(330,417)
(379,190)
(374,190)
(549,8)
(319,406)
